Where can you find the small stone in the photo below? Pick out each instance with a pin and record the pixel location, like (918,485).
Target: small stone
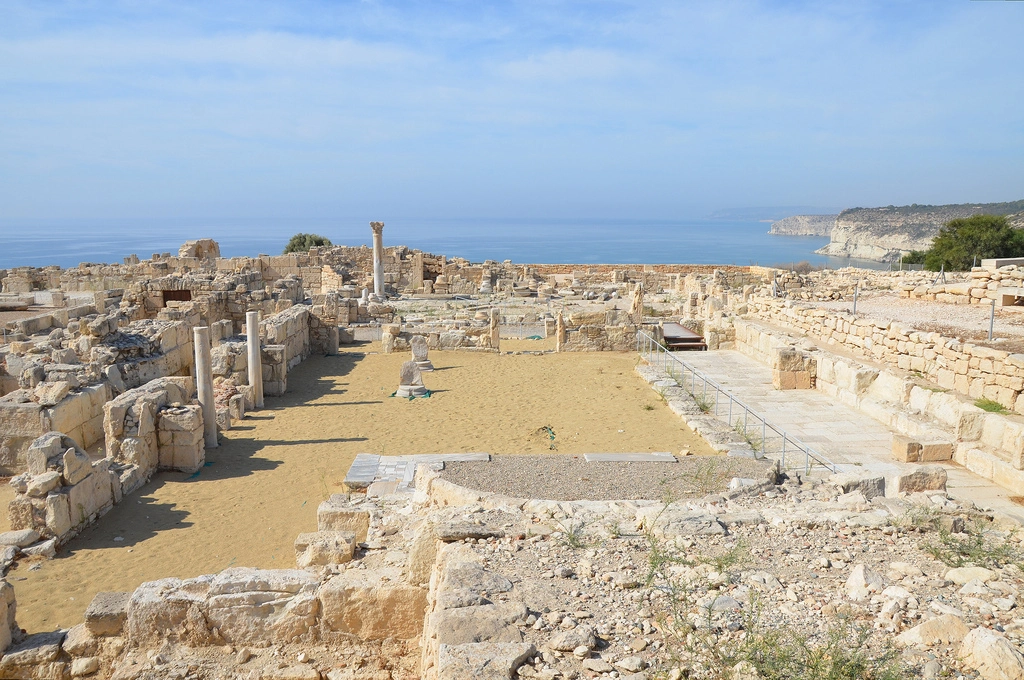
(631,664)
(597,666)
(243,655)
(581,652)
(83,667)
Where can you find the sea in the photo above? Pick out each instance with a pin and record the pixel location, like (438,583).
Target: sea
(67,243)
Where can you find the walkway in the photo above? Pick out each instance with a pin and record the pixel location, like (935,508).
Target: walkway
(844,435)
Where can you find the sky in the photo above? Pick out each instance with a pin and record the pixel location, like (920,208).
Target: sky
(655,109)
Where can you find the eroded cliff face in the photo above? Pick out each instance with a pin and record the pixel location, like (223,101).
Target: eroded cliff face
(884,233)
(804,225)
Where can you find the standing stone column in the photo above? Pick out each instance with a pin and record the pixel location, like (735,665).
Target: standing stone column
(204,384)
(378,258)
(252,336)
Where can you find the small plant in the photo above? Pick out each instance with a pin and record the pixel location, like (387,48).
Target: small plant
(990,406)
(703,403)
(973,548)
(647,407)
(918,517)
(572,535)
(301,243)
(710,475)
(749,435)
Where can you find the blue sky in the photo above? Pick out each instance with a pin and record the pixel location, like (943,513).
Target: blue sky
(514,109)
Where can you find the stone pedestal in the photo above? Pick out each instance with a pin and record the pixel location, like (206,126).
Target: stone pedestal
(204,384)
(252,335)
(378,258)
(410,383)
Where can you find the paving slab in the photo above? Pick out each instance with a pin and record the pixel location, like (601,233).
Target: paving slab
(660,457)
(395,474)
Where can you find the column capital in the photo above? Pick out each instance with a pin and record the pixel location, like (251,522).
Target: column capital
(378,227)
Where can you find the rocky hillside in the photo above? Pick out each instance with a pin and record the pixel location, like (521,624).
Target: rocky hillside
(804,225)
(884,233)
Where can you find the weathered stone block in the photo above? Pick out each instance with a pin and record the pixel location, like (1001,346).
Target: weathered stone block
(905,450)
(324,547)
(335,514)
(107,614)
(373,604)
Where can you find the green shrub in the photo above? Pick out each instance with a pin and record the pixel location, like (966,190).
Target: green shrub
(962,242)
(990,406)
(301,243)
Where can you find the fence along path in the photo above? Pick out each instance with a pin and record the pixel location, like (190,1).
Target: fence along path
(763,435)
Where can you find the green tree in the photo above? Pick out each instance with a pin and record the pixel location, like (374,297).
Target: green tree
(962,240)
(301,243)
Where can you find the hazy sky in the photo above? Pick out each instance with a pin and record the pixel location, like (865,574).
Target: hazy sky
(554,109)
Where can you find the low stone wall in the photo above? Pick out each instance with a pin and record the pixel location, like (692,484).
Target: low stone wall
(154,427)
(965,368)
(77,413)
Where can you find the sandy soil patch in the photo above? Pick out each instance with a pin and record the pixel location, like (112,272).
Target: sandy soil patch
(261,487)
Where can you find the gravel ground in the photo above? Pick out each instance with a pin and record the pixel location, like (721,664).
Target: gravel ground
(571,478)
(969,322)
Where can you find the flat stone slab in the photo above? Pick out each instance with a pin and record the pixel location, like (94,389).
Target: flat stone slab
(369,469)
(363,471)
(661,457)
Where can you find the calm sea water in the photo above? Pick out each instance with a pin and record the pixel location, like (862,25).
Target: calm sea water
(578,241)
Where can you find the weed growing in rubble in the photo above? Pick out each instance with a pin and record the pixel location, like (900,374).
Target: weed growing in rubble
(710,642)
(703,403)
(572,535)
(974,547)
(749,435)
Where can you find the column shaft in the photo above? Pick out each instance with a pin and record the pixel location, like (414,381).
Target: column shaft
(252,336)
(204,384)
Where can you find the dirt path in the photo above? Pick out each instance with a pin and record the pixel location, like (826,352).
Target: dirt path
(261,487)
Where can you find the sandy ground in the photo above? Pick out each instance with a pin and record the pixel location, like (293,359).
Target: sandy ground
(261,487)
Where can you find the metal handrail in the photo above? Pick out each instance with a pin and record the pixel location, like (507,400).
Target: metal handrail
(649,349)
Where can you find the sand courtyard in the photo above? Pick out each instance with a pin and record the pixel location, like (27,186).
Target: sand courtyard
(261,487)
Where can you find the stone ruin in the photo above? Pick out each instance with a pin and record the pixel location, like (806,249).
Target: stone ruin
(410,382)
(419,353)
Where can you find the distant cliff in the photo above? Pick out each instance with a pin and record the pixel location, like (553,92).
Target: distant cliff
(883,233)
(804,225)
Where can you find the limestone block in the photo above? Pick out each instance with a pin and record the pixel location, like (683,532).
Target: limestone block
(77,466)
(158,608)
(373,604)
(422,554)
(20,538)
(333,515)
(181,419)
(321,548)
(925,478)
(482,660)
(90,496)
(870,486)
(248,606)
(936,451)
(35,657)
(107,614)
(40,485)
(8,610)
(791,380)
(481,623)
(905,449)
(945,629)
(58,515)
(992,655)
(21,513)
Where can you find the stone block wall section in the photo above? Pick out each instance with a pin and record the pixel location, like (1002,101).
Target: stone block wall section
(983,285)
